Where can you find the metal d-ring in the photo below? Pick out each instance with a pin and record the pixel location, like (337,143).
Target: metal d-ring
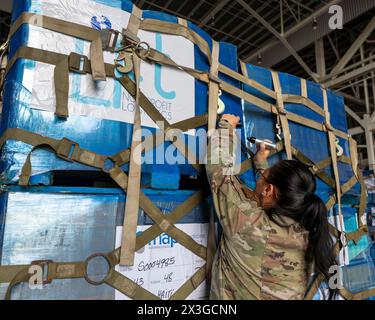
(87,261)
(138,48)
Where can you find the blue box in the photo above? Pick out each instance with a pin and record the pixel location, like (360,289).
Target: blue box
(70,224)
(108,137)
(311,142)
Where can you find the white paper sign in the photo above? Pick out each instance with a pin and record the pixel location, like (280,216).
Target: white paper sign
(163,265)
(171,91)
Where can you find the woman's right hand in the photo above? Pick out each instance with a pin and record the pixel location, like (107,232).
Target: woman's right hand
(262,152)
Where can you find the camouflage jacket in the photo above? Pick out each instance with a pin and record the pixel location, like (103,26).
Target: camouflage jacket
(256,258)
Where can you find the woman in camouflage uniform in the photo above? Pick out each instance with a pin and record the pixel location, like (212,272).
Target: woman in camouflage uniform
(273,237)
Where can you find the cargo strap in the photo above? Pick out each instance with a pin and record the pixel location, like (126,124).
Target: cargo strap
(282,114)
(15,274)
(134,182)
(120,177)
(81,64)
(70,29)
(332,146)
(78,63)
(183,30)
(3,62)
(213,96)
(345,293)
(213,88)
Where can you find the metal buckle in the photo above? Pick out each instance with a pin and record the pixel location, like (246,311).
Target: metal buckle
(109,39)
(78,62)
(43,264)
(130,37)
(143,49)
(64,149)
(86,275)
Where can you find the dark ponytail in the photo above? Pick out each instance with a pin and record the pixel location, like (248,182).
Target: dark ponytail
(297,200)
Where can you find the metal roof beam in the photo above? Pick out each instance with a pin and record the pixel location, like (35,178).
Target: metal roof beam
(351,75)
(301,34)
(218,6)
(260,31)
(279,36)
(355,47)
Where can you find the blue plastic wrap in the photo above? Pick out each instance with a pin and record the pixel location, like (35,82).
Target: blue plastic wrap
(70,224)
(104,136)
(359,275)
(350,215)
(356,277)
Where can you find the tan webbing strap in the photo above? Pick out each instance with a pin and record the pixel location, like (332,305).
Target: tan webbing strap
(303,99)
(70,29)
(244,69)
(134,181)
(3,64)
(331,202)
(182,22)
(303,88)
(53,58)
(190,285)
(357,296)
(155,214)
(177,214)
(245,79)
(178,30)
(290,98)
(154,56)
(126,286)
(282,114)
(211,247)
(353,155)
(175,137)
(156,116)
(314,287)
(170,28)
(245,166)
(135,20)
(363,197)
(332,145)
(315,168)
(166,226)
(213,88)
(155,139)
(356,235)
(61,78)
(64,148)
(16,274)
(181,30)
(357,171)
(349,184)
(61,73)
(36,55)
(22,276)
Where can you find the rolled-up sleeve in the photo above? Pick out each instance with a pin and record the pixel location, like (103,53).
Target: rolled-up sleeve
(232,206)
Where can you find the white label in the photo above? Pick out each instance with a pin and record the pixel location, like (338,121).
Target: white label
(171,91)
(164,265)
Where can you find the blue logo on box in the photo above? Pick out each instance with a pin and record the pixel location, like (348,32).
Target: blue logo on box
(101,23)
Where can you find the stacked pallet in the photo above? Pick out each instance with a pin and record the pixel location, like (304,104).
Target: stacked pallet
(69,184)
